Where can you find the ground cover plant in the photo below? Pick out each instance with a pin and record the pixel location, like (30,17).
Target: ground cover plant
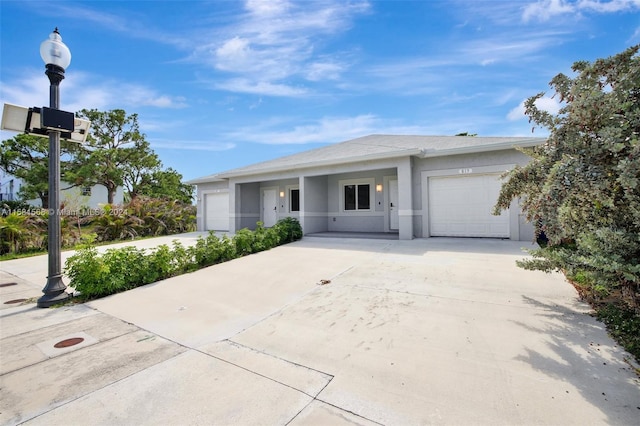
(94,275)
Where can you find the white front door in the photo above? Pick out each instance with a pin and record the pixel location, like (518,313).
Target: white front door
(269,208)
(393,204)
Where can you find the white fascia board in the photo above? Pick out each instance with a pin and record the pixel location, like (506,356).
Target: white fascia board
(349,160)
(205,179)
(525,143)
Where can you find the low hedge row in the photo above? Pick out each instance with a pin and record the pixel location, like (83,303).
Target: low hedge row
(94,275)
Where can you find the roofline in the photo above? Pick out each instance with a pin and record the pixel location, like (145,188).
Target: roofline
(371,157)
(205,179)
(421,153)
(524,143)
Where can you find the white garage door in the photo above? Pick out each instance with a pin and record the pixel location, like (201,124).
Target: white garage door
(216,208)
(460,206)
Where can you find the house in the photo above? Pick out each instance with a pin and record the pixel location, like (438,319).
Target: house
(91,197)
(414,186)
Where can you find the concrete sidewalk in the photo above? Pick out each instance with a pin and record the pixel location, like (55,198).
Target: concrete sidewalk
(445,331)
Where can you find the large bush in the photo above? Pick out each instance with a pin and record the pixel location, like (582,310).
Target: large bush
(582,187)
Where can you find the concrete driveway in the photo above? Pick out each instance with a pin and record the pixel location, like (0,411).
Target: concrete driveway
(429,331)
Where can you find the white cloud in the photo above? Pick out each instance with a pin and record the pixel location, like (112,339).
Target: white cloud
(277,41)
(203,145)
(551,105)
(324,71)
(324,130)
(543,10)
(233,55)
(245,85)
(81,90)
(266,7)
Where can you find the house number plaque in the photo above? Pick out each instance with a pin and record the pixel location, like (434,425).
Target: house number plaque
(465,171)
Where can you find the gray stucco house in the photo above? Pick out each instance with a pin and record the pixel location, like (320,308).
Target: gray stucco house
(414,186)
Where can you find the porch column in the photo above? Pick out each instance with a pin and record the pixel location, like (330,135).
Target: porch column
(405,199)
(234,207)
(302,206)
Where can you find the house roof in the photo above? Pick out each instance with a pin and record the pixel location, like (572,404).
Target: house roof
(377,147)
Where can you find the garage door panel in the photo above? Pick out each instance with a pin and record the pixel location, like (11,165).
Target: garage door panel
(216,211)
(460,206)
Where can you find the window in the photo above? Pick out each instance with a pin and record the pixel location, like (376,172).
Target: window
(357,197)
(294,200)
(86,191)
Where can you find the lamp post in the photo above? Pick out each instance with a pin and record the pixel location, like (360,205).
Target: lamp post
(57,57)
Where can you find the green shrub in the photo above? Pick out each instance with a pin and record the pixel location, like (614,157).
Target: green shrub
(623,325)
(88,273)
(289,230)
(243,241)
(128,267)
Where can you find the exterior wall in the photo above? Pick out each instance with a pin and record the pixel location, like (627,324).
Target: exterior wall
(314,204)
(9,186)
(98,196)
(283,188)
(487,162)
(72,198)
(201,191)
(373,220)
(321,195)
(247,205)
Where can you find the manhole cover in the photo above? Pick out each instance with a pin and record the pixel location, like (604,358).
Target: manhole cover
(10,302)
(68,342)
(7,284)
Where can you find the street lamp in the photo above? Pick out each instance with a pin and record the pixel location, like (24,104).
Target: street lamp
(57,57)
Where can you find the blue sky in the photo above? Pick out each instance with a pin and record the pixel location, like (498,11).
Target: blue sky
(222,84)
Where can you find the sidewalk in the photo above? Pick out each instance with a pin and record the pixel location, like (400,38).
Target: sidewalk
(445,331)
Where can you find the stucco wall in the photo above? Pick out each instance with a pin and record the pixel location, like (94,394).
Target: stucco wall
(315,203)
(339,220)
(493,162)
(249,205)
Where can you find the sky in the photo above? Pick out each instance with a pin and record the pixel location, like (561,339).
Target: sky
(223,84)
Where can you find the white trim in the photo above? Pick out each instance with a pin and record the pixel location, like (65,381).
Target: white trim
(471,171)
(313,164)
(499,146)
(287,198)
(361,181)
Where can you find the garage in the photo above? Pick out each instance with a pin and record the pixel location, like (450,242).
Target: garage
(460,206)
(216,207)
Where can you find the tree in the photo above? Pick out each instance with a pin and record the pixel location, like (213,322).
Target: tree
(582,187)
(27,158)
(166,184)
(116,151)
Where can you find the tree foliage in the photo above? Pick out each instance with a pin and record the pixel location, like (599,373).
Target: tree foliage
(582,186)
(27,157)
(116,151)
(166,184)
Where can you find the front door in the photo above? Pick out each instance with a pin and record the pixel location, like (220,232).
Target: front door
(269,208)
(393,205)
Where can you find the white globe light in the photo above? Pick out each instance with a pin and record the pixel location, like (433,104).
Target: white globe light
(54,51)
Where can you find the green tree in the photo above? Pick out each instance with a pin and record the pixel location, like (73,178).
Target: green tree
(27,158)
(116,151)
(166,184)
(582,187)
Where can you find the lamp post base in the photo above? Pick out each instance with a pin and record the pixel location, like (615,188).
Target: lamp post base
(54,293)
